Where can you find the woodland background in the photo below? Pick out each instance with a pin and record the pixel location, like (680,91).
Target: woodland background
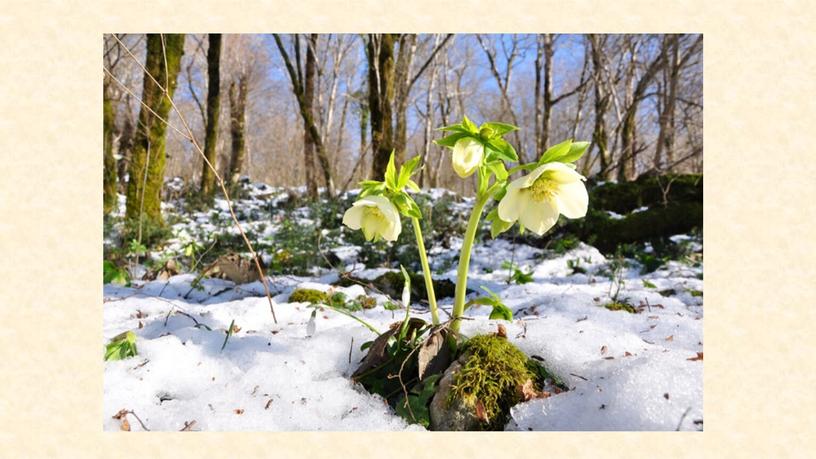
(325,110)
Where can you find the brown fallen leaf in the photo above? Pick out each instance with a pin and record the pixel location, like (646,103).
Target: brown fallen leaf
(502,332)
(604,349)
(238,411)
(699,356)
(480,411)
(627,354)
(528,391)
(125,426)
(670,338)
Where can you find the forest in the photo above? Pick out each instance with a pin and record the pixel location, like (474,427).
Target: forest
(318,231)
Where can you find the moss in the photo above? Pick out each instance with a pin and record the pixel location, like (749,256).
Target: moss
(618,306)
(493,370)
(109,178)
(148,154)
(308,295)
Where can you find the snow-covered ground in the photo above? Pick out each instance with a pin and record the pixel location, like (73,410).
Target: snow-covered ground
(625,371)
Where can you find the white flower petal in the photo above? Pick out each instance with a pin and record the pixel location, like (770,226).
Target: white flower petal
(572,199)
(539,217)
(511,205)
(354,216)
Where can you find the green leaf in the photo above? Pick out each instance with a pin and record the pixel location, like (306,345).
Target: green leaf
(406,171)
(577,149)
(497,225)
(648,284)
(503,149)
(450,141)
(415,408)
(468,124)
(453,128)
(499,129)
(498,169)
(391,173)
(229,333)
(406,205)
(122,346)
(412,185)
(112,274)
(501,312)
(558,152)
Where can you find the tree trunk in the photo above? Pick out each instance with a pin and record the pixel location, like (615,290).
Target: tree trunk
(213,109)
(402,76)
(381,94)
(237,97)
(308,107)
(146,173)
(599,135)
(110,199)
(125,147)
(548,51)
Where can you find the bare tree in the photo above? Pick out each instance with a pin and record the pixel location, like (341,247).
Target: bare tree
(213,110)
(299,89)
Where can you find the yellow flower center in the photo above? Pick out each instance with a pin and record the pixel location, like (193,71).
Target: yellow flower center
(543,189)
(374,212)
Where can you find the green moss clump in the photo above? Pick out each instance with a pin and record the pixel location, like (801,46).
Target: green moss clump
(618,306)
(492,372)
(308,295)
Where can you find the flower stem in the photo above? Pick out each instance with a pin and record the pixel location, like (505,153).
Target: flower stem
(426,271)
(464,259)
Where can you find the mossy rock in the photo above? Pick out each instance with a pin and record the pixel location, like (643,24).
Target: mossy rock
(647,191)
(308,295)
(392,282)
(478,390)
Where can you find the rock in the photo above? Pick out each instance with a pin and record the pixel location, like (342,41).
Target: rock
(458,416)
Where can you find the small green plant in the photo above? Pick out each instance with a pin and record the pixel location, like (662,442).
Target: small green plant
(122,346)
(621,306)
(575,266)
(112,274)
(515,275)
(500,310)
(648,284)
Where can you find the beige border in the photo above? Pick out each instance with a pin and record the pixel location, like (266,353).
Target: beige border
(760,189)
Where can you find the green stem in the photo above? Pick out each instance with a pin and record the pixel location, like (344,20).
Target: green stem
(464,259)
(426,271)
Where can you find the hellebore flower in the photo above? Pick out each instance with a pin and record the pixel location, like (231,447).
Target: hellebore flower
(467,156)
(537,199)
(376,216)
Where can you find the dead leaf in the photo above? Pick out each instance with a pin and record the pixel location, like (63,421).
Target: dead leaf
(604,349)
(125,426)
(238,411)
(235,328)
(527,390)
(502,332)
(480,411)
(670,338)
(377,354)
(627,354)
(434,354)
(609,358)
(699,356)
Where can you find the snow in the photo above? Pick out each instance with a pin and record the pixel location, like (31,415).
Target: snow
(625,371)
